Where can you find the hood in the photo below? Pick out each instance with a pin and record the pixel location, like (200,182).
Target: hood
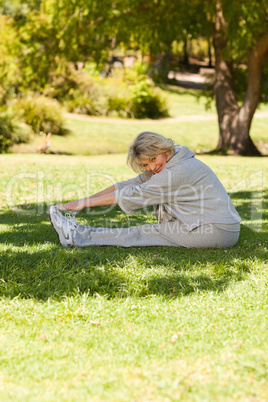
(181,154)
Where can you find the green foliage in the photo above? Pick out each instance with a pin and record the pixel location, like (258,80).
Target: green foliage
(132,94)
(126,93)
(86,103)
(9,50)
(39,50)
(147,101)
(62,82)
(84,28)
(41,113)
(246,23)
(19,9)
(12,132)
(92,69)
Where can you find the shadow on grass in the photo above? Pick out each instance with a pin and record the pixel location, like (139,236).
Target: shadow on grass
(225,152)
(34,265)
(179,90)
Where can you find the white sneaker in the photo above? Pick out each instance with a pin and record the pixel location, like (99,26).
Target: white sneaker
(63,226)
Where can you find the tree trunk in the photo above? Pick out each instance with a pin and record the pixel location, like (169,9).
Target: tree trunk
(209,53)
(185,52)
(165,65)
(235,121)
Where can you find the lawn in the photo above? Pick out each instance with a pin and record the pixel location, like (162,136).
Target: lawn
(113,136)
(137,324)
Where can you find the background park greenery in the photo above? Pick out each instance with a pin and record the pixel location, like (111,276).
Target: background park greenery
(107,323)
(56,53)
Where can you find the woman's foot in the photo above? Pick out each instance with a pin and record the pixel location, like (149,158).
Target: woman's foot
(63,227)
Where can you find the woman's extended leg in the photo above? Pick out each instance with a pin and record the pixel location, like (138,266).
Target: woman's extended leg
(161,234)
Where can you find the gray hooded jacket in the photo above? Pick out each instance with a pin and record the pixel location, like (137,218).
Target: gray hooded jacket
(186,190)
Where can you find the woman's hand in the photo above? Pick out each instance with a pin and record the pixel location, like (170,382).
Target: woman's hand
(70,206)
(61,207)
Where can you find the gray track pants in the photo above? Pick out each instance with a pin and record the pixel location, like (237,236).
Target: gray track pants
(161,234)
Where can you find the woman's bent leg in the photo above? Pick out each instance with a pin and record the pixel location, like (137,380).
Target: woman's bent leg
(161,234)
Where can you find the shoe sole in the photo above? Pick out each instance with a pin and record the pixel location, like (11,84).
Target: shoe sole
(59,237)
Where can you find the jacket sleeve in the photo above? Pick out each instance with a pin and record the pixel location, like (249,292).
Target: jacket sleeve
(141,178)
(159,189)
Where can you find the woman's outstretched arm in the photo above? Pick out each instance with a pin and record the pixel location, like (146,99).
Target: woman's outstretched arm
(104,197)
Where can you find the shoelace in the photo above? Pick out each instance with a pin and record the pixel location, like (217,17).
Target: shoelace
(71,217)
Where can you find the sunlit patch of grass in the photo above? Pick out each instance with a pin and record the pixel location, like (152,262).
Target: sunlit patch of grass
(113,136)
(107,323)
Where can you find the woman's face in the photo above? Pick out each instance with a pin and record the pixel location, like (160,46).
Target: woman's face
(155,164)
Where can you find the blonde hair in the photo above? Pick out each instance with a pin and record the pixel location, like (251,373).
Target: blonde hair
(148,145)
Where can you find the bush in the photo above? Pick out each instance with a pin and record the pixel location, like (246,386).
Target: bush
(80,102)
(119,105)
(115,96)
(62,85)
(12,132)
(42,114)
(146,101)
(127,93)
(91,102)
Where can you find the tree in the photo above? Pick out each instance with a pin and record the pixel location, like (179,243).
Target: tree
(155,25)
(241,36)
(52,34)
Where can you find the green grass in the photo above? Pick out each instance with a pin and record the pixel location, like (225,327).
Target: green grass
(113,136)
(91,138)
(107,323)
(185,102)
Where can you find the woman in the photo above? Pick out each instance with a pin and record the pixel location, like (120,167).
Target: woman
(190,203)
